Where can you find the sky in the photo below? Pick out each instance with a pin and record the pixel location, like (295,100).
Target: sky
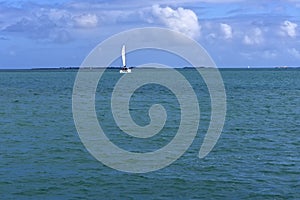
(236,33)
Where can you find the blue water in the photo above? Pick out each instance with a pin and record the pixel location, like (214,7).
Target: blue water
(256,157)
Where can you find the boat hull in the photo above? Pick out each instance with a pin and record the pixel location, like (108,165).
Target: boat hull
(122,71)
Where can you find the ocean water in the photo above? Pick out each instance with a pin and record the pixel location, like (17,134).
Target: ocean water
(256,157)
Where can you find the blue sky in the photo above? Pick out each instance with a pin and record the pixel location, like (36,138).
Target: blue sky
(236,33)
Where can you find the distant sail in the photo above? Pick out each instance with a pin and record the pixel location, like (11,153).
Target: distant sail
(124,69)
(123,56)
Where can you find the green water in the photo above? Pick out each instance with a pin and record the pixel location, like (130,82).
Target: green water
(256,157)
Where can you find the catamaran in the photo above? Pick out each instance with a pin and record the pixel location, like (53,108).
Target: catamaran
(124,68)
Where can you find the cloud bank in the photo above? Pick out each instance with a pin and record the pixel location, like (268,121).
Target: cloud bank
(86,21)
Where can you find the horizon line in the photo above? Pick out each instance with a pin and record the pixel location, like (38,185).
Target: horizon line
(114,67)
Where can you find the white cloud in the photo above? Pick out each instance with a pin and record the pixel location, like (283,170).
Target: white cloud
(180,19)
(269,54)
(56,14)
(254,37)
(289,28)
(294,52)
(226,30)
(86,21)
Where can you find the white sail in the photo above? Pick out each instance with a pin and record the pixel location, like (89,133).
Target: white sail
(123,56)
(124,68)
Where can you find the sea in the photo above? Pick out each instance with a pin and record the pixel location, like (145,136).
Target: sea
(256,157)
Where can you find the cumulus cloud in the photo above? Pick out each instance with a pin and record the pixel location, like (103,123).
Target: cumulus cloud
(289,28)
(254,37)
(86,21)
(180,19)
(61,17)
(226,30)
(61,36)
(269,54)
(294,52)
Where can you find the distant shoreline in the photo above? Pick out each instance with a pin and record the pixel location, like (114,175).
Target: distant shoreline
(117,68)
